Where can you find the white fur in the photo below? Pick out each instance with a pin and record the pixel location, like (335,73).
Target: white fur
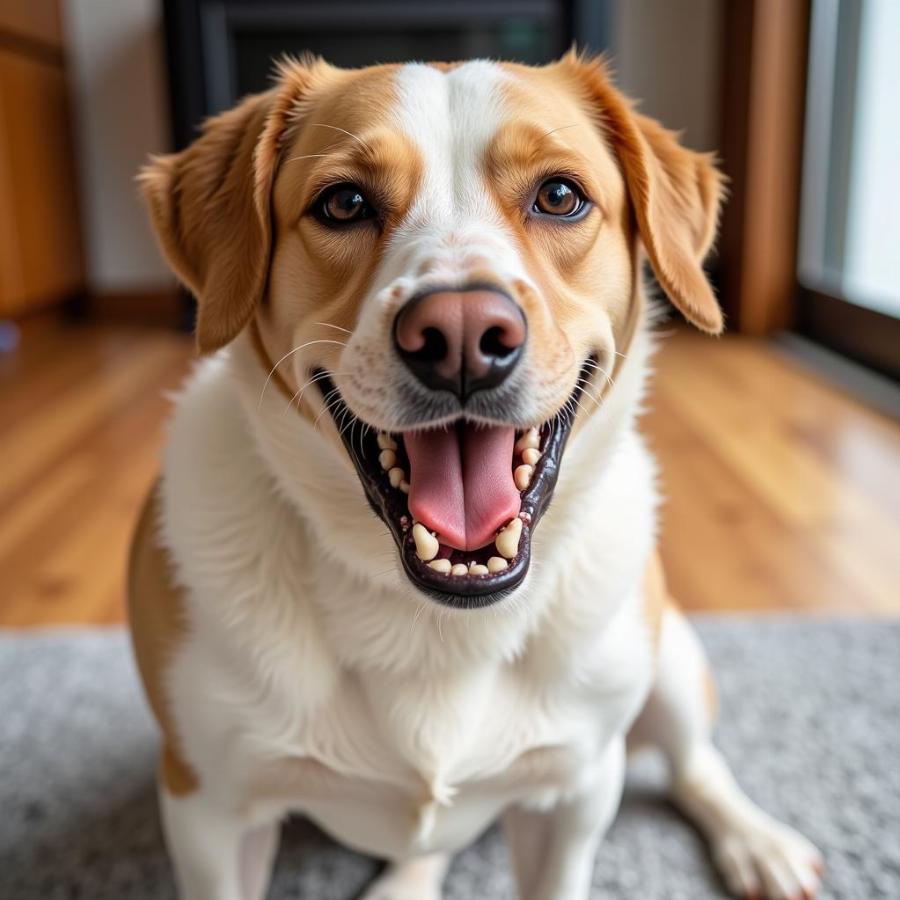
(314,678)
(305,589)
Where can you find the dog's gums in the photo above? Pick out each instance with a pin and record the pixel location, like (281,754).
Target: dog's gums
(465,578)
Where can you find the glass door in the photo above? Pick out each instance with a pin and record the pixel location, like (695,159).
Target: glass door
(849,249)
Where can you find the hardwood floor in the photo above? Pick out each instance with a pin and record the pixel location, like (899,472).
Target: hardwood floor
(781,492)
(81,411)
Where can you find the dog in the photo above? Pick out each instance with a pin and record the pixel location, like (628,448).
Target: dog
(399,572)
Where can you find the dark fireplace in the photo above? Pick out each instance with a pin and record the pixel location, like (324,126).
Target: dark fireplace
(219,50)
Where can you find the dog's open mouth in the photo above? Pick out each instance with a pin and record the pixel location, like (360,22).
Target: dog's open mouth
(462,501)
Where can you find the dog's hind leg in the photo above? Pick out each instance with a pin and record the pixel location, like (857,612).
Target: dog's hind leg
(757,856)
(419,878)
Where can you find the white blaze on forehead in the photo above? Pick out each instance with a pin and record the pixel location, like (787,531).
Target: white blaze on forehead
(451,117)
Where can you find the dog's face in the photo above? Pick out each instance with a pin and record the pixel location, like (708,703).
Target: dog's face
(445,259)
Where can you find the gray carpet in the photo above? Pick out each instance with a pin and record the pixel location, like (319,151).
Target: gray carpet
(809,719)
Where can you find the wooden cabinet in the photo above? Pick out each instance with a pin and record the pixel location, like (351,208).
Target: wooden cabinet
(32,20)
(41,257)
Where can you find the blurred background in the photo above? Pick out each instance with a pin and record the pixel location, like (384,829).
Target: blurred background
(779,444)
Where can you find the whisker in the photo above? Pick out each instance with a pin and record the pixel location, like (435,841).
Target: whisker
(308,156)
(330,325)
(298,396)
(327,406)
(591,396)
(578,404)
(359,140)
(344,426)
(319,375)
(598,368)
(561,128)
(363,431)
(415,619)
(291,353)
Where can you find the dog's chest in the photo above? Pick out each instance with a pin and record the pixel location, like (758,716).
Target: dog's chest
(396,766)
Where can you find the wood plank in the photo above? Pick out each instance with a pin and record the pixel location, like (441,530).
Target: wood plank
(782,435)
(724,547)
(50,368)
(69,548)
(52,431)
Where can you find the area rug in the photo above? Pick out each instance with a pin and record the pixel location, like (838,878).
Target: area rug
(810,720)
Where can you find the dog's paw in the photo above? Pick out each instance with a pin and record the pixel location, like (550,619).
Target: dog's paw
(766,860)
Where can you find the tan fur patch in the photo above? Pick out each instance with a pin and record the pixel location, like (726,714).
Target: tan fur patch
(210,205)
(711,696)
(675,192)
(345,134)
(656,597)
(156,614)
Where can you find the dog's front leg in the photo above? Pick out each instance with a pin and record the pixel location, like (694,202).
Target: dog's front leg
(216,853)
(419,878)
(553,850)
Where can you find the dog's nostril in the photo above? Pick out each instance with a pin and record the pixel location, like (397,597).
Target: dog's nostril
(491,344)
(434,348)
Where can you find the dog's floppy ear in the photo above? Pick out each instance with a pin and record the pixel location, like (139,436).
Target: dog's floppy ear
(210,206)
(675,192)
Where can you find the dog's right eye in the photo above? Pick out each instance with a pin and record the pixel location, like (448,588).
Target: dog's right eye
(343,204)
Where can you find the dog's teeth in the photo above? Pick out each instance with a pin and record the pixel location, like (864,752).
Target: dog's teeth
(459,569)
(531,440)
(440,565)
(396,476)
(404,486)
(387,459)
(507,542)
(427,545)
(496,564)
(522,476)
(531,456)
(475,569)
(385,441)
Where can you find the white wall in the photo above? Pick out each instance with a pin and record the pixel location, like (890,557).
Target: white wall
(116,72)
(667,54)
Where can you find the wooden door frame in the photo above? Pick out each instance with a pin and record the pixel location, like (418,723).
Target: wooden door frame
(764,46)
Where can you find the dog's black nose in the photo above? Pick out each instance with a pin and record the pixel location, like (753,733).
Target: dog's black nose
(461,341)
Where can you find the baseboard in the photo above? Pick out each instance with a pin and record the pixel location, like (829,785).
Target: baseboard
(870,387)
(161,307)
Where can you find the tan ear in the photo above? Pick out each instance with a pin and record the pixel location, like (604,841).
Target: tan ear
(210,206)
(675,192)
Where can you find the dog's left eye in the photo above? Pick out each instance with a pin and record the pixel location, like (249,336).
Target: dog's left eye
(343,204)
(559,197)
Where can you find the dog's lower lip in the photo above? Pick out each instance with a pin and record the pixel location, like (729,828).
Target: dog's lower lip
(491,572)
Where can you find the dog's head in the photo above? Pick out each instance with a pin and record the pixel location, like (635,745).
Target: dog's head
(446,258)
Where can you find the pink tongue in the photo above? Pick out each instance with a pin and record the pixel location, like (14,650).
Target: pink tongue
(461,483)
